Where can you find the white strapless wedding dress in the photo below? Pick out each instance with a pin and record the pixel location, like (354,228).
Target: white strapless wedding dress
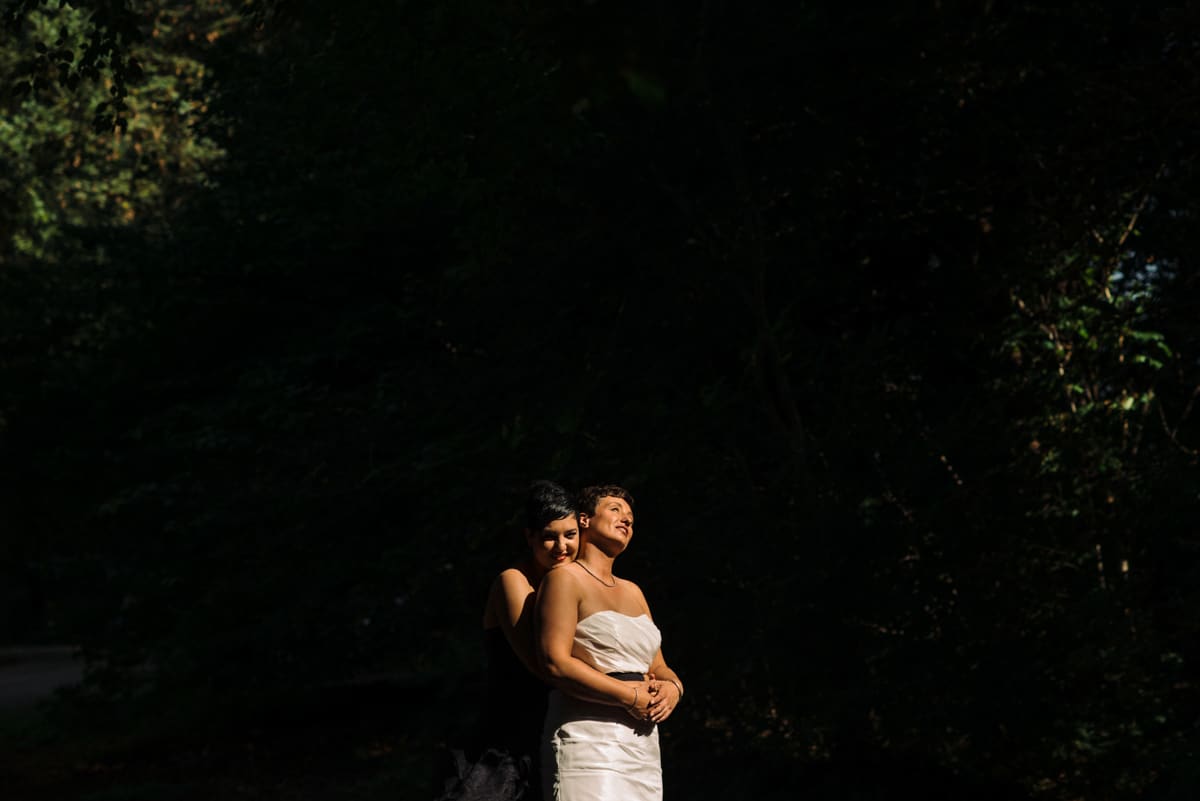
(594,752)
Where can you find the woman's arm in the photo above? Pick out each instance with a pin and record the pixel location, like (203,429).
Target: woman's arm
(512,600)
(666,688)
(665,683)
(557,615)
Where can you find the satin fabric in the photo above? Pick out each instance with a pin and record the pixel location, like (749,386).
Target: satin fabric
(596,752)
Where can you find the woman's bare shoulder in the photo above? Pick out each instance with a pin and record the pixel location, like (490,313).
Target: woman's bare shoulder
(563,577)
(510,579)
(636,592)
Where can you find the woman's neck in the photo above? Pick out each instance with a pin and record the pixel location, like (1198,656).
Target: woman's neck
(597,561)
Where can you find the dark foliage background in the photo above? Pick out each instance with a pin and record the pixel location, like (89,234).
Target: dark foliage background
(887,317)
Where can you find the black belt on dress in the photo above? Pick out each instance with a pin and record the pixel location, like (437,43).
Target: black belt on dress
(628,676)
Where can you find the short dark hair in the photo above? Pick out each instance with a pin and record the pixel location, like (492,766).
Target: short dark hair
(545,503)
(588,497)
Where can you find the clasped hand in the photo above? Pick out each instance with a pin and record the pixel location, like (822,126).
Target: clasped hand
(656,700)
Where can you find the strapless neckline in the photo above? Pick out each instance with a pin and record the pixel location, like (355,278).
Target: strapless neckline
(611,612)
(614,642)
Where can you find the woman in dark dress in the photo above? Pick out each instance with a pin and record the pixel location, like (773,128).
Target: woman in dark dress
(503,763)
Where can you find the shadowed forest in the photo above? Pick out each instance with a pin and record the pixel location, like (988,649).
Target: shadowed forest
(889,318)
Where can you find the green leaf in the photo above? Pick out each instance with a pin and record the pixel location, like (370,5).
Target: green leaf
(644,88)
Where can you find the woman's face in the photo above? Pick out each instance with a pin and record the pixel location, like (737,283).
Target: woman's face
(556,544)
(613,520)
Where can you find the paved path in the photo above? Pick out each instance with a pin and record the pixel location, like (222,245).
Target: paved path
(27,675)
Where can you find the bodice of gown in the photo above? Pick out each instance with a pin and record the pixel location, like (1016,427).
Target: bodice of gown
(613,642)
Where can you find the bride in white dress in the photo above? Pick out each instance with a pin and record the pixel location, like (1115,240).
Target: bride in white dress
(602,652)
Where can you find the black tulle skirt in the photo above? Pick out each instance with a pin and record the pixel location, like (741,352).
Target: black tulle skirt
(494,775)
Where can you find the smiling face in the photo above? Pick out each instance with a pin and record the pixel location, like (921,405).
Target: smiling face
(556,544)
(612,520)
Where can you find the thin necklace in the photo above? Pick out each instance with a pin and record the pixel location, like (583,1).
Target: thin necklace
(597,578)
